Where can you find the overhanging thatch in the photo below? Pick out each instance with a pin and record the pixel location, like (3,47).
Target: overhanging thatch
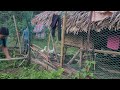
(77,21)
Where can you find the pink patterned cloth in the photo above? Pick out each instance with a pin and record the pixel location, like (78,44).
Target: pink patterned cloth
(113,42)
(38,28)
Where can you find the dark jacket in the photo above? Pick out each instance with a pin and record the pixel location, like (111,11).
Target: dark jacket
(55,19)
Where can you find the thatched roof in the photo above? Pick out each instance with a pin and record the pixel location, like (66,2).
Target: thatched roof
(77,21)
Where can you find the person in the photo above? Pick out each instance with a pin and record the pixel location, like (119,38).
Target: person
(25,38)
(4,32)
(56,21)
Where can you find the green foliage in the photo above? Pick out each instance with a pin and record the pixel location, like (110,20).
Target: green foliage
(6,76)
(22,20)
(85,72)
(32,72)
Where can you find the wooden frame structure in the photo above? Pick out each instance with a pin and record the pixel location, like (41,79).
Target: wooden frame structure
(81,49)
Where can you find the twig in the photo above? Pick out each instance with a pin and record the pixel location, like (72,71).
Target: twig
(21,63)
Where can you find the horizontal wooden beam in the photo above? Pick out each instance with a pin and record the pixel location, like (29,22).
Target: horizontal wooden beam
(42,64)
(99,51)
(102,51)
(20,58)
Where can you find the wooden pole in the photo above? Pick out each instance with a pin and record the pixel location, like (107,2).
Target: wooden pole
(65,51)
(53,44)
(62,41)
(81,52)
(74,57)
(88,36)
(20,58)
(48,48)
(17,33)
(102,51)
(37,46)
(42,64)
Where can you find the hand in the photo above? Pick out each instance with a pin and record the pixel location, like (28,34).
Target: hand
(8,57)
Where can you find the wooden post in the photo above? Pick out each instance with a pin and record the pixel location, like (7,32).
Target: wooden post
(62,41)
(17,33)
(65,51)
(81,52)
(88,36)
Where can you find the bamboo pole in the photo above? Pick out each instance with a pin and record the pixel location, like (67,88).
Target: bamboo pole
(88,33)
(17,33)
(53,44)
(37,46)
(80,61)
(81,52)
(102,51)
(74,57)
(65,51)
(21,63)
(42,64)
(42,54)
(20,58)
(48,42)
(63,39)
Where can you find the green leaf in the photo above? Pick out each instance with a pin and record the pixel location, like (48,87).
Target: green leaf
(84,75)
(93,62)
(91,74)
(83,70)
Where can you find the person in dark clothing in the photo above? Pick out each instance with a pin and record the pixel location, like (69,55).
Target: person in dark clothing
(56,21)
(4,32)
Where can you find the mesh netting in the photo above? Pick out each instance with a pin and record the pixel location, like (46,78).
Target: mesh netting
(105,46)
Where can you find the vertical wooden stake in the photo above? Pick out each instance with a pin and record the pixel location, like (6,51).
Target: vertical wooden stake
(62,41)
(81,52)
(17,33)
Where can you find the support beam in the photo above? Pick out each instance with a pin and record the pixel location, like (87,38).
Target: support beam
(102,51)
(63,39)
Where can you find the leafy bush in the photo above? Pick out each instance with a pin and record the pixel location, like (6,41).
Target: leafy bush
(33,72)
(85,72)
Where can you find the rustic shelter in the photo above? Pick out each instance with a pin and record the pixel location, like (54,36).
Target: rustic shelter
(78,21)
(76,31)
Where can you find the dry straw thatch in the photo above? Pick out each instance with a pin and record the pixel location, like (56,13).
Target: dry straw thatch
(77,21)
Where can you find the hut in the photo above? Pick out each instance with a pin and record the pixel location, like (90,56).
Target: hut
(102,24)
(77,24)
